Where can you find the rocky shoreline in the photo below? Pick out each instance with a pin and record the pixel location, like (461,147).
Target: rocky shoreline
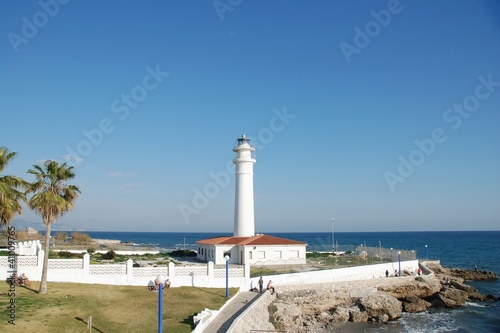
(318,308)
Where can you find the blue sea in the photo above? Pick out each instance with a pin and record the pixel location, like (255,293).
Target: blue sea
(457,249)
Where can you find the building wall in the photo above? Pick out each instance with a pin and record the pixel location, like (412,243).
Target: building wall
(274,255)
(217,253)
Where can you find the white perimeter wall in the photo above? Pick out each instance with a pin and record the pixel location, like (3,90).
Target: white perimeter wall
(337,274)
(80,271)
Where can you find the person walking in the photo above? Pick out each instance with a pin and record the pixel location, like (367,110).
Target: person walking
(261,284)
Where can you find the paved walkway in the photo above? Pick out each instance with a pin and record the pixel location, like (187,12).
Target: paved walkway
(233,309)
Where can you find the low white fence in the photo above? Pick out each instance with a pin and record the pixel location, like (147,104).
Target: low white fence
(28,248)
(81,271)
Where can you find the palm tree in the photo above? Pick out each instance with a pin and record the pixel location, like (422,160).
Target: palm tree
(10,196)
(52,198)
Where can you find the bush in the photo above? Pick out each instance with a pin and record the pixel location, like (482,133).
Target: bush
(22,236)
(91,250)
(81,237)
(315,255)
(65,254)
(61,236)
(110,255)
(182,253)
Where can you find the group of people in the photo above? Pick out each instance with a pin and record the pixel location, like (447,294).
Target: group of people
(418,271)
(269,286)
(156,284)
(20,280)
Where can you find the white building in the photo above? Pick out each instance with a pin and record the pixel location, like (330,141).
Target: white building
(245,247)
(255,250)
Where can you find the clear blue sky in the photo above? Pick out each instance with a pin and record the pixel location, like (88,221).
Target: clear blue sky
(384,115)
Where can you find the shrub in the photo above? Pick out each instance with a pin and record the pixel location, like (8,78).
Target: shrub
(110,255)
(91,250)
(312,255)
(182,253)
(22,235)
(81,237)
(65,254)
(61,236)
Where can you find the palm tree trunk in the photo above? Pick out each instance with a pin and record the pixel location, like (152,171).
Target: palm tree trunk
(43,281)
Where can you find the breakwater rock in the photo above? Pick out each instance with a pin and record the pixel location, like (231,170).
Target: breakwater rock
(317,308)
(461,274)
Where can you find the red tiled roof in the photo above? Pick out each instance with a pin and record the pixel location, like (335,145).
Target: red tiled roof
(254,240)
(215,240)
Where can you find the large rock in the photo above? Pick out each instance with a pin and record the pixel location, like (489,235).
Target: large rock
(449,298)
(285,315)
(341,314)
(472,275)
(414,304)
(420,287)
(357,316)
(460,286)
(381,307)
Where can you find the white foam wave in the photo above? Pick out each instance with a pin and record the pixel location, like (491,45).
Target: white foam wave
(476,305)
(425,322)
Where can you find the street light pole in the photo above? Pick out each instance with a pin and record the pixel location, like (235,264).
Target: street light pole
(333,235)
(399,261)
(160,303)
(227,275)
(426,253)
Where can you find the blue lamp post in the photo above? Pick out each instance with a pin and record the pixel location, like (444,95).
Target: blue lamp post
(160,303)
(399,261)
(426,253)
(227,275)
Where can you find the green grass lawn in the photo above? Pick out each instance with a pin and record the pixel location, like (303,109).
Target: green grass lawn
(67,306)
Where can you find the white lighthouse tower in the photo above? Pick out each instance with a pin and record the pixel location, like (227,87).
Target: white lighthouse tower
(244,225)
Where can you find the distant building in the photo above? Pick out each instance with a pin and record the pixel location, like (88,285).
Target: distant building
(245,247)
(31,231)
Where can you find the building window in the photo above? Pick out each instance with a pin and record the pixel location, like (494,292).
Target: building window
(250,254)
(261,255)
(294,254)
(278,255)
